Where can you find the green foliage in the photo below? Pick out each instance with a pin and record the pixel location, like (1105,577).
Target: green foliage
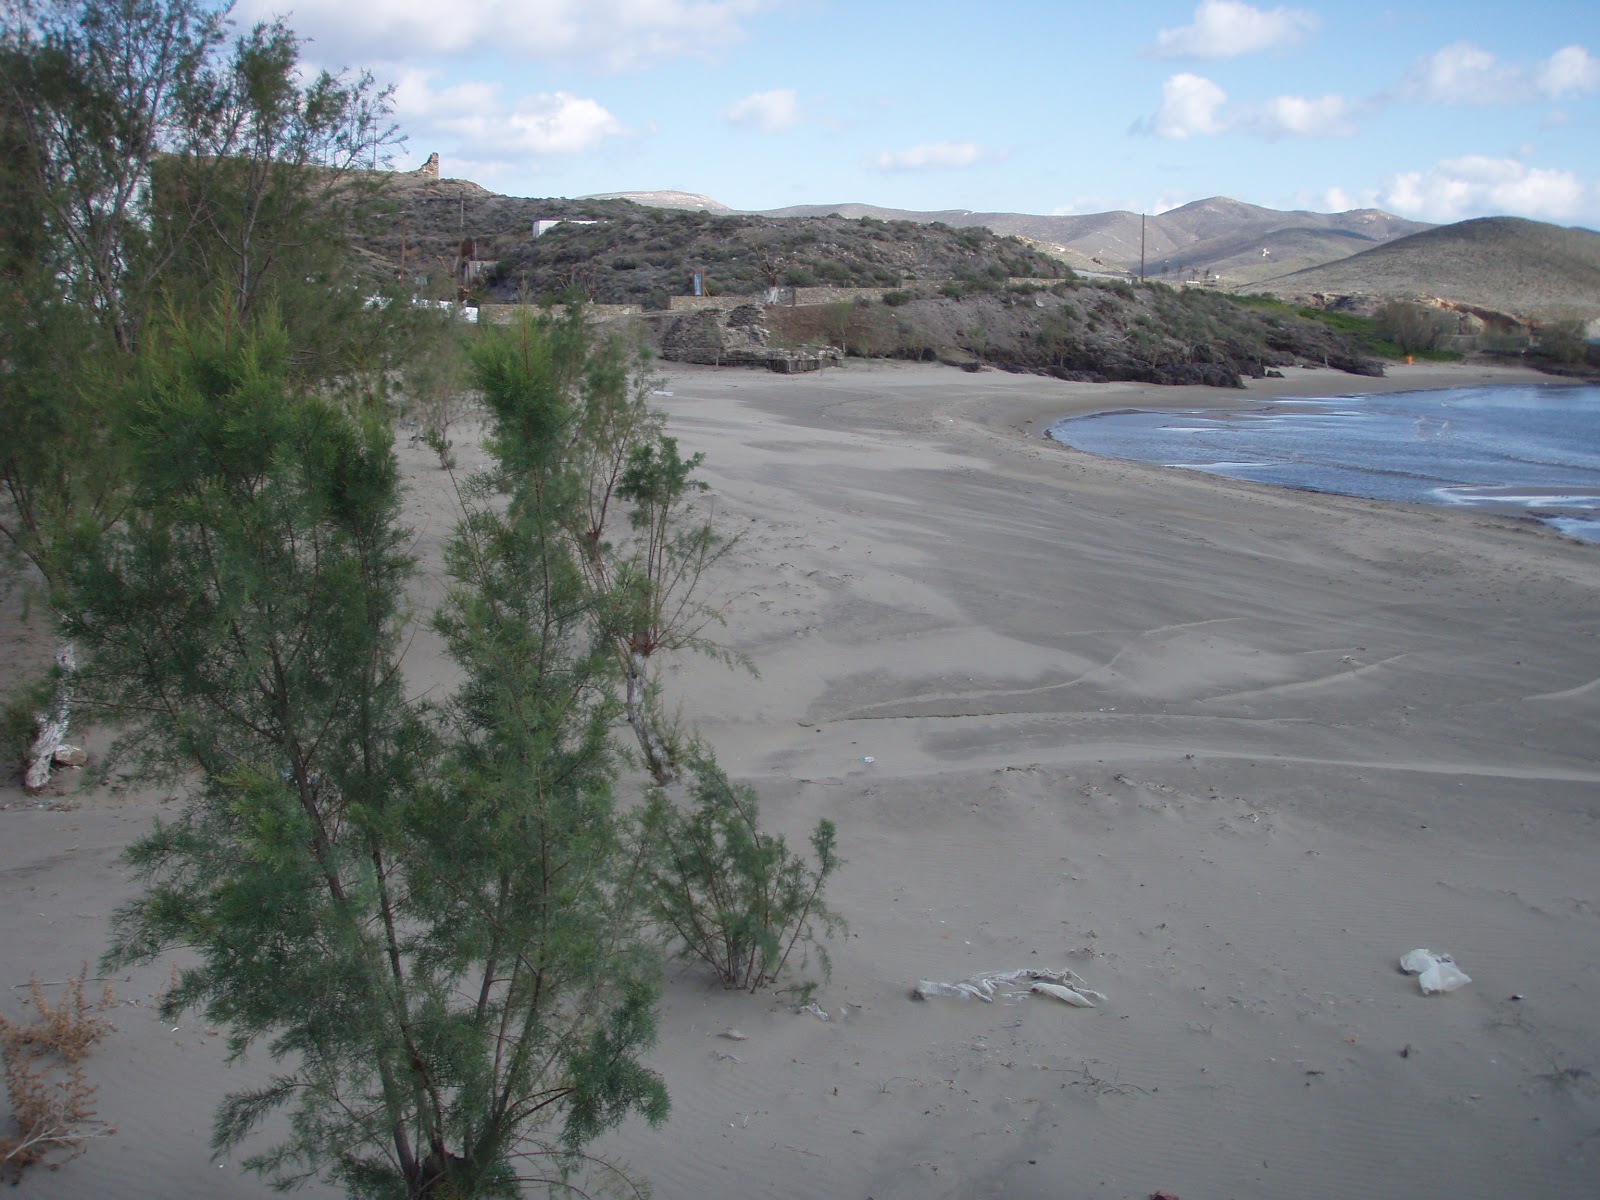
(18,713)
(416,909)
(733,897)
(555,386)
(1564,342)
(1411,326)
(435,378)
(1344,322)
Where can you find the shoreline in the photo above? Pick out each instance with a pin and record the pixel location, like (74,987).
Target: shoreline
(1308,382)
(1568,509)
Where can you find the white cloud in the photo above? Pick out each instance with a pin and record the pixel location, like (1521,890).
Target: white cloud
(1462,73)
(1299,116)
(1570,69)
(614,34)
(1337,200)
(1228,28)
(1194,106)
(769,112)
(472,121)
(1477,185)
(1190,105)
(935,156)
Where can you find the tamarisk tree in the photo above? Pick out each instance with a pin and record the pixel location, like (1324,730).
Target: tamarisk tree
(149,166)
(628,498)
(423,914)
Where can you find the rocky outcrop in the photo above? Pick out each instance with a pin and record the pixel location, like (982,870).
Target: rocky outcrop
(736,338)
(429,169)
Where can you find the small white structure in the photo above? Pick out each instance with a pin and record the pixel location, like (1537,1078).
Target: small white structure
(545,224)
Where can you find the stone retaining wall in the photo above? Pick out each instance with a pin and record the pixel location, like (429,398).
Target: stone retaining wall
(504,314)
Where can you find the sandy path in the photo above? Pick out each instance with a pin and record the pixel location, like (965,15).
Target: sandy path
(1225,751)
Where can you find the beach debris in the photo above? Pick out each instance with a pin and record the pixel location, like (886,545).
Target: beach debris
(1065,985)
(733,1035)
(1065,994)
(816,1010)
(1434,972)
(867,758)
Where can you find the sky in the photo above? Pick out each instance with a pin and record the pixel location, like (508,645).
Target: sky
(1433,111)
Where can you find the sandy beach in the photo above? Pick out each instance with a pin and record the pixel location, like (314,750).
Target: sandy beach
(1225,751)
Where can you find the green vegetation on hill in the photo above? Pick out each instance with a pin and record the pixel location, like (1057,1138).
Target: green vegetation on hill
(644,255)
(1399,330)
(1081,331)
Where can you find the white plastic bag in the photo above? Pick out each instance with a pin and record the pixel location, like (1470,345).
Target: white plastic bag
(1434,972)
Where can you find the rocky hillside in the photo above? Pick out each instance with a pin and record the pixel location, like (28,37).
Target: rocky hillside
(967,296)
(1235,241)
(646,255)
(1075,330)
(427,221)
(1530,269)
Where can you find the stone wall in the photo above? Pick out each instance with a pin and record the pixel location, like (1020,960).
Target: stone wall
(684,304)
(734,337)
(504,314)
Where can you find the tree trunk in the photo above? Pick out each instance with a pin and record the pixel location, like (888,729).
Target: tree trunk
(657,757)
(52,724)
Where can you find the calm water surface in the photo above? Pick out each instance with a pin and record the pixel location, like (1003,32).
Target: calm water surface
(1533,450)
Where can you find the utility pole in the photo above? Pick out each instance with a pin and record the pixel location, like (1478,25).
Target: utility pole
(1141,247)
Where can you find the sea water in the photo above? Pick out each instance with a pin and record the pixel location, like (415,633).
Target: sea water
(1532,450)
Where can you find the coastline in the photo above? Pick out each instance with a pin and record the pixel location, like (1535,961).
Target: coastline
(1542,479)
(1300,382)
(1224,749)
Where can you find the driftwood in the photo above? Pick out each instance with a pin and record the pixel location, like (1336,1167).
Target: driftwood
(52,725)
(1064,985)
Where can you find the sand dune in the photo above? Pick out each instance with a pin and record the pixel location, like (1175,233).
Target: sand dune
(1225,751)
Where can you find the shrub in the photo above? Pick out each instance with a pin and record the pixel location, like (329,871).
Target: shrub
(1564,341)
(737,899)
(1410,325)
(19,723)
(52,1104)
(896,299)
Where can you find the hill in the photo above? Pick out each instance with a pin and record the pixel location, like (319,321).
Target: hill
(646,255)
(963,295)
(1219,236)
(1530,269)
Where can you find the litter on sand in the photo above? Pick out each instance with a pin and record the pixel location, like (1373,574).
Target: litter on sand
(1065,985)
(1434,972)
(1073,996)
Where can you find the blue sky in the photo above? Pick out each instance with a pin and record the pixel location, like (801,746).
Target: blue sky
(1431,110)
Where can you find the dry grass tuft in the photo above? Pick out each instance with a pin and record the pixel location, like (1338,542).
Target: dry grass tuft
(52,1103)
